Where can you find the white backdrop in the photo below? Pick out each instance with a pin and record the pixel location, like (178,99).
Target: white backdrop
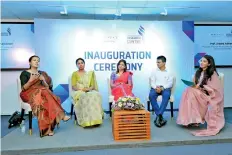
(60,42)
(9,98)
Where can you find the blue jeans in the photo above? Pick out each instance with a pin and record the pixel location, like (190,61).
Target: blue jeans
(166,93)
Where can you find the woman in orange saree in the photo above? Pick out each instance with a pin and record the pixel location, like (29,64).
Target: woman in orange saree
(121,81)
(44,104)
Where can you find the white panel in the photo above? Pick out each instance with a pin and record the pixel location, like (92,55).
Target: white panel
(9,98)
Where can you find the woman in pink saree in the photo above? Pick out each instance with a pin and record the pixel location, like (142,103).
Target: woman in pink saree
(205,101)
(121,81)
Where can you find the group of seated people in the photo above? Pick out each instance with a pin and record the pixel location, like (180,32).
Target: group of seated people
(199,104)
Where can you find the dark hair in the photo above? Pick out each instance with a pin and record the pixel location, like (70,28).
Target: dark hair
(124,61)
(208,73)
(33,56)
(161,58)
(80,59)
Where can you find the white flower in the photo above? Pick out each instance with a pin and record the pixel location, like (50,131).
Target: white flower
(120,104)
(124,99)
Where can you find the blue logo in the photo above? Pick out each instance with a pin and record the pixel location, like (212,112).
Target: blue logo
(141,31)
(229,34)
(9,31)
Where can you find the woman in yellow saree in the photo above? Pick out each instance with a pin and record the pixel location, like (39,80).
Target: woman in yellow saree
(87,99)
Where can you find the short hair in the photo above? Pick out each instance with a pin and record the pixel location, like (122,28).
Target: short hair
(80,59)
(163,58)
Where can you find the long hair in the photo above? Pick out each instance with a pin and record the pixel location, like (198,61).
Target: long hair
(208,73)
(124,61)
(34,56)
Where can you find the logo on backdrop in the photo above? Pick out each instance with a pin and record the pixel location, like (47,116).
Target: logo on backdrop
(141,31)
(136,39)
(7,32)
(111,39)
(229,34)
(6,44)
(108,55)
(221,34)
(216,35)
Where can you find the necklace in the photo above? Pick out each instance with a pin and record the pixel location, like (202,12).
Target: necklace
(34,73)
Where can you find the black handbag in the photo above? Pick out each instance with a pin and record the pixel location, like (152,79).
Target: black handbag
(15,119)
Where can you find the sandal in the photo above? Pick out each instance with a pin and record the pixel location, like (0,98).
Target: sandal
(194,125)
(67,118)
(50,134)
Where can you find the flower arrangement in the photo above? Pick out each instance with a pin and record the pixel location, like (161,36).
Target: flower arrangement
(127,103)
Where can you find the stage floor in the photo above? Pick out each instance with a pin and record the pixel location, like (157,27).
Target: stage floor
(71,137)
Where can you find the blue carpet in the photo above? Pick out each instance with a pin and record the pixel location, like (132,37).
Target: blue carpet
(4,126)
(5,130)
(204,149)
